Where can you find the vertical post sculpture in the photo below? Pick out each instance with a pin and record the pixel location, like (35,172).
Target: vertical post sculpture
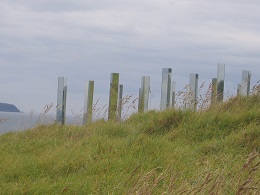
(220,82)
(170,101)
(214,91)
(173,93)
(245,83)
(112,110)
(193,92)
(88,102)
(140,108)
(238,89)
(166,88)
(61,100)
(120,101)
(144,94)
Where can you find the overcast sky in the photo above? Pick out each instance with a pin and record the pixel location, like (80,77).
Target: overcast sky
(87,40)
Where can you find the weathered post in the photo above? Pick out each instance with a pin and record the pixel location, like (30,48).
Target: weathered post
(120,101)
(193,92)
(140,106)
(88,102)
(166,88)
(214,91)
(238,89)
(173,93)
(113,97)
(144,94)
(220,82)
(61,100)
(245,83)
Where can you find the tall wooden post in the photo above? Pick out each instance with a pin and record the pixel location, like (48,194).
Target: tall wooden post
(61,100)
(88,102)
(173,93)
(113,97)
(214,91)
(193,92)
(140,105)
(166,88)
(245,83)
(238,89)
(120,101)
(144,94)
(220,82)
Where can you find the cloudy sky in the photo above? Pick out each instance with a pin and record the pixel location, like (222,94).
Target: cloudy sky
(87,40)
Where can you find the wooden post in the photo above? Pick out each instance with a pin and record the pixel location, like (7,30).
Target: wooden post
(166,88)
(144,94)
(193,92)
(113,97)
(238,89)
(214,91)
(61,100)
(88,102)
(140,105)
(173,93)
(120,101)
(220,82)
(245,83)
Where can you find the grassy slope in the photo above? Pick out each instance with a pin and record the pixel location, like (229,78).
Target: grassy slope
(170,152)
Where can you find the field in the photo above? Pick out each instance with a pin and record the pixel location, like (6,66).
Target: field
(215,151)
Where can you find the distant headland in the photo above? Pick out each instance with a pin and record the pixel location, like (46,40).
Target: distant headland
(4,107)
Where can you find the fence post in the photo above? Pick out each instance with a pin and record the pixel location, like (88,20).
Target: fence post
(238,89)
(214,91)
(140,108)
(88,102)
(166,88)
(120,101)
(144,94)
(61,100)
(193,92)
(173,93)
(220,82)
(113,97)
(245,83)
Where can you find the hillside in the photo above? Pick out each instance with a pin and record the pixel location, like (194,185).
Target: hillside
(4,107)
(173,152)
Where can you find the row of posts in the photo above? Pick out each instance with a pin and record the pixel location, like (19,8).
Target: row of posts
(168,93)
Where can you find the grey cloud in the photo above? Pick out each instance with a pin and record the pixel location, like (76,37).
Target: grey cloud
(89,39)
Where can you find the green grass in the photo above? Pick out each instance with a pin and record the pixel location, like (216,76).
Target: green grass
(173,152)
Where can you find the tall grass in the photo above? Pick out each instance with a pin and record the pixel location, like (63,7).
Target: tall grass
(213,151)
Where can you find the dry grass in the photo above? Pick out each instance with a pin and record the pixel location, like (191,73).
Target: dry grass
(212,183)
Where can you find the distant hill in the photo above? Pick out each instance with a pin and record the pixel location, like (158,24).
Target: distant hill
(8,108)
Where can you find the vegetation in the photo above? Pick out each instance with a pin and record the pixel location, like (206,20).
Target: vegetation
(215,151)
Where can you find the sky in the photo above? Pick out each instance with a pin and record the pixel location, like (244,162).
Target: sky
(88,40)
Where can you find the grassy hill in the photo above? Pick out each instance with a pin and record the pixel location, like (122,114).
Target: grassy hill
(173,152)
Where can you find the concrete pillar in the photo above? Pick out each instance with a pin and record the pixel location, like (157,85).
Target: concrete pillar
(193,92)
(113,97)
(88,102)
(220,82)
(61,100)
(120,101)
(245,83)
(144,94)
(140,105)
(214,91)
(238,89)
(166,88)
(173,93)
